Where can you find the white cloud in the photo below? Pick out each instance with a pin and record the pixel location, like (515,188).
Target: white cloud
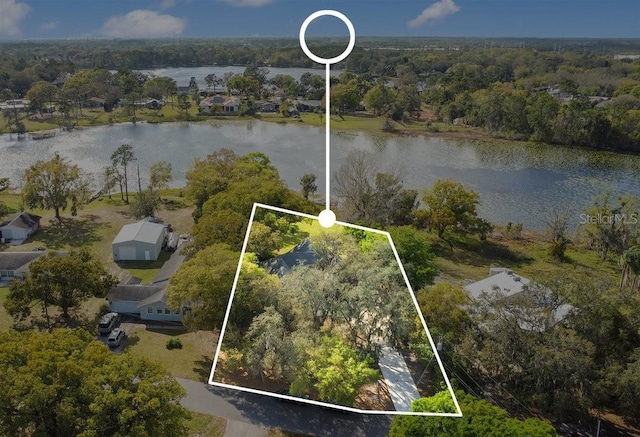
(167,4)
(50,26)
(11,14)
(143,23)
(434,12)
(252,3)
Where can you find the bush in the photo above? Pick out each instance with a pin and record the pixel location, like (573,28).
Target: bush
(174,343)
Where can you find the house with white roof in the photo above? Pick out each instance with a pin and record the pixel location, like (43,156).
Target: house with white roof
(141,241)
(505,282)
(19,227)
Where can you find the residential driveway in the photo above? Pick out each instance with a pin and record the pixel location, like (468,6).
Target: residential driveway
(267,412)
(402,389)
(243,429)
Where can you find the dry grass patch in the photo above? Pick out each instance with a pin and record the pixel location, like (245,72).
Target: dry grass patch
(203,425)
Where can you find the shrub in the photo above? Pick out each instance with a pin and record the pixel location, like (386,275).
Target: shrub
(174,343)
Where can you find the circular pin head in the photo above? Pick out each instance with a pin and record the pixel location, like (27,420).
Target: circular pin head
(345,20)
(327,218)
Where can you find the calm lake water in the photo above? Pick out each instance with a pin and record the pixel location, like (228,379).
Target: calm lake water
(517,182)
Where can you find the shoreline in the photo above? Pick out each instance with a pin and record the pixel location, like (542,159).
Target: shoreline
(364,122)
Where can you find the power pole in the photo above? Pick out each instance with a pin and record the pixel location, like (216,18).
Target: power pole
(139,184)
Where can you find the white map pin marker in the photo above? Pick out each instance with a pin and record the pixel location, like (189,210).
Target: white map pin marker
(327,217)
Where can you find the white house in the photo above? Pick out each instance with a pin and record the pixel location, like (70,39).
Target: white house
(20,227)
(139,241)
(15,264)
(505,281)
(147,301)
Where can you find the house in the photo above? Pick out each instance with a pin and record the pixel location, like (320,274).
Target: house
(20,227)
(140,241)
(147,301)
(509,284)
(267,106)
(309,105)
(15,264)
(228,104)
(302,254)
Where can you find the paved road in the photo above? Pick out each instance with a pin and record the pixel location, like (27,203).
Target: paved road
(265,411)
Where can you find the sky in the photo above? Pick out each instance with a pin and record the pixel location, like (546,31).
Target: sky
(52,19)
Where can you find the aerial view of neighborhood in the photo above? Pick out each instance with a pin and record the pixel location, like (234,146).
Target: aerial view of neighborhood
(167,168)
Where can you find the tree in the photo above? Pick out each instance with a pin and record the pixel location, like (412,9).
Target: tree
(345,98)
(370,196)
(110,180)
(159,175)
(479,419)
(120,159)
(58,280)
(337,373)
(416,255)
(67,383)
(308,183)
(379,99)
(451,207)
(263,241)
(160,87)
(557,222)
(5,183)
(184,103)
(53,184)
(42,95)
(145,204)
(541,115)
(630,265)
(201,286)
(271,349)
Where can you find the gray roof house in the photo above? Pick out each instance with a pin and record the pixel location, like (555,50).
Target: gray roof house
(16,264)
(505,281)
(302,254)
(147,301)
(141,241)
(20,227)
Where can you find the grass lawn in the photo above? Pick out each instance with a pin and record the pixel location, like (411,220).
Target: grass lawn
(145,270)
(306,228)
(96,225)
(193,361)
(203,425)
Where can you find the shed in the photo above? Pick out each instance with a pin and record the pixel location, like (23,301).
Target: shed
(20,227)
(140,241)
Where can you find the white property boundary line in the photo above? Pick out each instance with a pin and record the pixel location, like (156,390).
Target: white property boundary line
(310,401)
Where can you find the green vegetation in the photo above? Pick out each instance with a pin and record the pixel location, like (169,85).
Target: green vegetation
(99,393)
(203,425)
(480,418)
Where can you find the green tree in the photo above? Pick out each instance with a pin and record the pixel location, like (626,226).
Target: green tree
(557,223)
(308,183)
(416,255)
(201,286)
(160,88)
(263,241)
(479,419)
(379,99)
(66,383)
(271,350)
(61,281)
(120,160)
(337,373)
(451,207)
(159,175)
(345,98)
(53,184)
(443,306)
(541,115)
(145,204)
(42,95)
(630,265)
(184,103)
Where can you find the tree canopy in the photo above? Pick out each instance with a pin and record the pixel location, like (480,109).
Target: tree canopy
(66,383)
(54,184)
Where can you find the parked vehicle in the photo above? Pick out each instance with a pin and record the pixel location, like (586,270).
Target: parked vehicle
(107,323)
(116,337)
(172,242)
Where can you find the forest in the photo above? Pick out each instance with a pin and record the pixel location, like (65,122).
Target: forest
(561,92)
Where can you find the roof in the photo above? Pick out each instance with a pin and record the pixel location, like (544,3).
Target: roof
(302,254)
(24,220)
(142,231)
(16,261)
(160,296)
(133,293)
(506,281)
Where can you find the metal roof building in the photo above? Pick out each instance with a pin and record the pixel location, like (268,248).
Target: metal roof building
(141,241)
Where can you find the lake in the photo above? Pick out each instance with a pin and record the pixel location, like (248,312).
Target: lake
(517,182)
